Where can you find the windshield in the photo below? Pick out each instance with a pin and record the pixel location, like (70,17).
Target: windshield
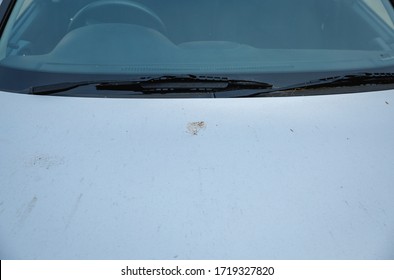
(52,41)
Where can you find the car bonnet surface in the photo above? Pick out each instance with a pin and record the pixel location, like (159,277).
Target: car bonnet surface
(258,178)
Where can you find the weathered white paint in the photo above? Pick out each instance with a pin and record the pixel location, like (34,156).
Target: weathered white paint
(263,178)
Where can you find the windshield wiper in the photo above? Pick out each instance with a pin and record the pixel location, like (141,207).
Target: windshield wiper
(344,81)
(189,84)
(158,85)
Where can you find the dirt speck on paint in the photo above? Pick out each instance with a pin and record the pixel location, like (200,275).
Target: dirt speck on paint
(46,161)
(27,210)
(194,128)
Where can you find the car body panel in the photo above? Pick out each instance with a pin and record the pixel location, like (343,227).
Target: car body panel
(252,178)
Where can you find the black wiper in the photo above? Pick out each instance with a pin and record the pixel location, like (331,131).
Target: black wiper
(349,80)
(58,87)
(158,85)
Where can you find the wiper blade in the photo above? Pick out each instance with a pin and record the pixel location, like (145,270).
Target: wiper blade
(58,87)
(185,83)
(348,80)
(158,85)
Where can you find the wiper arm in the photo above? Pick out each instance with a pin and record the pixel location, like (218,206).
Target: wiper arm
(349,80)
(158,85)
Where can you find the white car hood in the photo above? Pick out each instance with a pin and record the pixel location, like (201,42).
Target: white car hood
(253,178)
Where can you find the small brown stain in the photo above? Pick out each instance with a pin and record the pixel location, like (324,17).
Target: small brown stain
(195,127)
